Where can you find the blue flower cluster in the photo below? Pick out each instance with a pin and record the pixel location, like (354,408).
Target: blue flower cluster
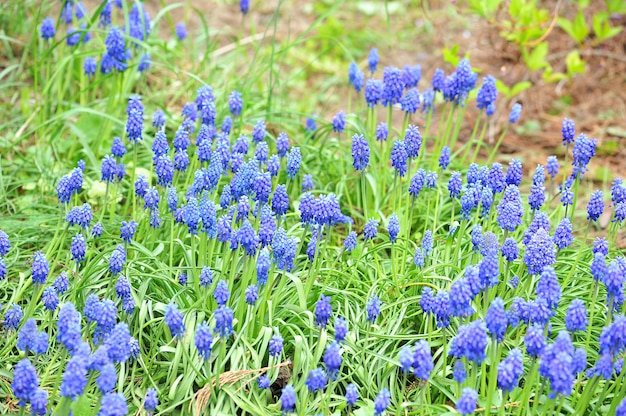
(244,227)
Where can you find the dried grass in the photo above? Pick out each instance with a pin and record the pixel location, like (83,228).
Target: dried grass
(202,396)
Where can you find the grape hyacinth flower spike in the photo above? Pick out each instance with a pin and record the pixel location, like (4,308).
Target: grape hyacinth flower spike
(382,402)
(174,320)
(467,402)
(393,227)
(373,308)
(151,401)
(323,310)
(516,112)
(339,122)
(372,59)
(360,152)
(288,399)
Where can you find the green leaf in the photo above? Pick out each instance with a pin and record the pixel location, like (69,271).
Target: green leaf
(503,89)
(614,31)
(450,55)
(515,8)
(491,6)
(520,87)
(550,76)
(484,8)
(598,25)
(617,131)
(610,147)
(174,386)
(25,95)
(566,25)
(83,406)
(574,63)
(536,59)
(365,410)
(372,8)
(615,6)
(581,31)
(602,172)
(602,28)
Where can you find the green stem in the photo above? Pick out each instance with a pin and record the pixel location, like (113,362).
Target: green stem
(601,398)
(192,266)
(580,251)
(493,375)
(537,398)
(436,211)
(172,246)
(444,357)
(312,271)
(405,123)
(429,119)
(133,176)
(469,144)
(558,409)
(389,125)
(63,408)
(528,385)
(363,196)
(479,144)
(498,143)
(576,186)
(617,398)
(505,395)
(442,138)
(457,126)
(248,267)
(565,165)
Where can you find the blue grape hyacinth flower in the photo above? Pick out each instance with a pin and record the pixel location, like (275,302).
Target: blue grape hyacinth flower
(264,382)
(352,394)
(275,346)
(382,402)
(510,370)
(399,157)
(47,29)
(372,59)
(316,380)
(360,152)
(393,227)
(323,310)
(204,341)
(40,268)
(370,230)
(392,86)
(339,122)
(576,316)
(288,399)
(373,308)
(595,208)
(151,401)
(25,381)
(516,112)
(174,320)
(568,131)
(467,402)
(181,31)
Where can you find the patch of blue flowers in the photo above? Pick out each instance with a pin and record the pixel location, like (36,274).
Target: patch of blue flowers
(196,250)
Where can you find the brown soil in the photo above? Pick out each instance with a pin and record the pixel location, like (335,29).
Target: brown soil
(415,34)
(596,100)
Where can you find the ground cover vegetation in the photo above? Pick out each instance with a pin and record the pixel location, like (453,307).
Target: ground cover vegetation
(197,247)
